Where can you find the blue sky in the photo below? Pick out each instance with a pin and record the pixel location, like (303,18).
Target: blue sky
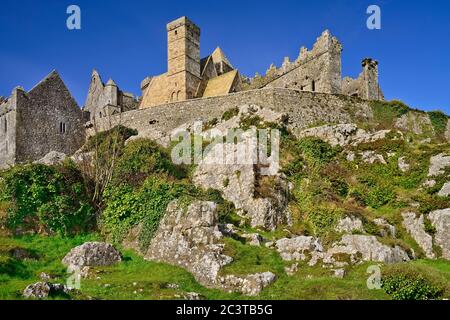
(126,40)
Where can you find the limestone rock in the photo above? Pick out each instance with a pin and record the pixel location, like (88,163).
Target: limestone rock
(42,290)
(236,177)
(339,273)
(437,165)
(296,249)
(92,254)
(350,224)
(52,158)
(363,248)
(372,157)
(343,134)
(416,228)
(387,229)
(402,165)
(416,122)
(445,191)
(251,285)
(292,270)
(189,237)
(254,239)
(440,219)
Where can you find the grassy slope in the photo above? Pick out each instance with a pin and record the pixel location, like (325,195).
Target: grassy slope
(136,278)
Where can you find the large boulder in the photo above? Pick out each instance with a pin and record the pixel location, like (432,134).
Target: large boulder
(363,248)
(440,219)
(343,134)
(189,237)
(349,225)
(231,169)
(92,254)
(416,228)
(52,158)
(437,165)
(251,285)
(298,248)
(42,290)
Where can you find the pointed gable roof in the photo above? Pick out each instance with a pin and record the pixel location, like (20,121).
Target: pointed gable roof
(219,56)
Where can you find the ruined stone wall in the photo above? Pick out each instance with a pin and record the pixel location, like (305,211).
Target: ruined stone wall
(7,133)
(318,70)
(304,109)
(41,113)
(366,86)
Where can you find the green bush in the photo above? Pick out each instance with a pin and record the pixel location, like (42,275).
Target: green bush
(324,219)
(316,152)
(54,199)
(404,282)
(127,207)
(104,139)
(385,113)
(379,196)
(142,158)
(227,115)
(439,121)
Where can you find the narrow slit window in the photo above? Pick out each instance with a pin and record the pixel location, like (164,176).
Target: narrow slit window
(62,127)
(6,126)
(313,86)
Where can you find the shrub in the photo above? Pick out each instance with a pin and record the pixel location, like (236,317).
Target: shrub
(127,207)
(142,158)
(439,121)
(51,198)
(324,219)
(316,151)
(227,115)
(405,282)
(385,113)
(379,196)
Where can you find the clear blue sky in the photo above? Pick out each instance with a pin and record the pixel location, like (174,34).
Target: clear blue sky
(126,40)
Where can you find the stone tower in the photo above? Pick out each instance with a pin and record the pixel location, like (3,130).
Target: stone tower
(111,93)
(183,59)
(370,88)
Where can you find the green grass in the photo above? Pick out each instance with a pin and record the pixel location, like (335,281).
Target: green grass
(137,279)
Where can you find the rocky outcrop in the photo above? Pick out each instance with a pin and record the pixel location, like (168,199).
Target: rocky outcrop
(42,290)
(251,285)
(445,190)
(343,134)
(298,249)
(386,229)
(437,165)
(416,122)
(52,158)
(349,225)
(92,254)
(416,228)
(371,157)
(440,219)
(355,248)
(402,165)
(189,237)
(237,178)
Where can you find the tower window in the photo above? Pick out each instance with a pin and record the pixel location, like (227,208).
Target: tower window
(6,126)
(313,86)
(62,127)
(176,32)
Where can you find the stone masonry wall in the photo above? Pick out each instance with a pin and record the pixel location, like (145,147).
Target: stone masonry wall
(7,133)
(40,114)
(305,109)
